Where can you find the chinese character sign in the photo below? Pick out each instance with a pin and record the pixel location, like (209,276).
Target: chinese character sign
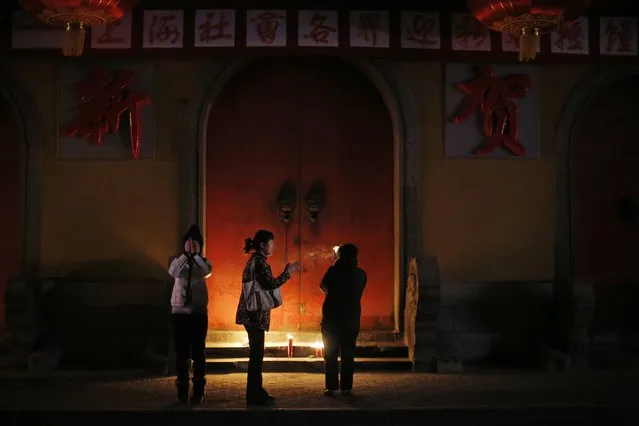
(369,28)
(510,43)
(114,35)
(266,28)
(163,29)
(318,28)
(469,34)
(105,112)
(492,111)
(420,30)
(571,38)
(215,28)
(618,36)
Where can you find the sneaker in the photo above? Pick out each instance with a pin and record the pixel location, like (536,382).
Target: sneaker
(346,392)
(329,393)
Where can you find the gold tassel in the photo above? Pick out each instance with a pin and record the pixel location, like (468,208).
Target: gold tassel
(528,44)
(74,35)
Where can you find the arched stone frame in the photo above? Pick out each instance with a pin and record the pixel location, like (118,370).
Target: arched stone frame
(580,97)
(398,99)
(26,112)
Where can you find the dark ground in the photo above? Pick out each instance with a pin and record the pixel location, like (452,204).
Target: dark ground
(486,398)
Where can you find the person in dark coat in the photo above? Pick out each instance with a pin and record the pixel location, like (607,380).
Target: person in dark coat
(260,247)
(343,284)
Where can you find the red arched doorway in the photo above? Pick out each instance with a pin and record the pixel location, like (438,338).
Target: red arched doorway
(605,204)
(10,207)
(317,127)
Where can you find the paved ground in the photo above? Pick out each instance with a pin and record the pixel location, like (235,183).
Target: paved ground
(393,391)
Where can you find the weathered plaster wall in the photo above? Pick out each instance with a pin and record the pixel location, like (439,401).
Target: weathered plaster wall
(485,220)
(488,220)
(111,219)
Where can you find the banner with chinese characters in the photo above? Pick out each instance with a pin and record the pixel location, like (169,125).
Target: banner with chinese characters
(105,111)
(618,36)
(406,34)
(492,111)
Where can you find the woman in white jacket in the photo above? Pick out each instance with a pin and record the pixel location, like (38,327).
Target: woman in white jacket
(189,312)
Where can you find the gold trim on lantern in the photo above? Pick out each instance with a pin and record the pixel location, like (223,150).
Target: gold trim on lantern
(528,44)
(73,42)
(62,16)
(528,22)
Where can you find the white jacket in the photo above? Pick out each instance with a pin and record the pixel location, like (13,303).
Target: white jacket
(200,270)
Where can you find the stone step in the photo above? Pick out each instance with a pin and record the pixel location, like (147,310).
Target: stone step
(379,350)
(305,364)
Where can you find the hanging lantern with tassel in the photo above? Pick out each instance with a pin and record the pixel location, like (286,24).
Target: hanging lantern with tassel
(76,16)
(527,19)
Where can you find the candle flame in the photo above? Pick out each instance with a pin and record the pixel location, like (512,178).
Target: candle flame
(289,336)
(335,249)
(317,345)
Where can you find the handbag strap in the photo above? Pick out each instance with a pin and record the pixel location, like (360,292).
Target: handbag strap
(252,270)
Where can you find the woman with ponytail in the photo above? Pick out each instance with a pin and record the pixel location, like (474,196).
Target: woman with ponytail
(260,247)
(343,284)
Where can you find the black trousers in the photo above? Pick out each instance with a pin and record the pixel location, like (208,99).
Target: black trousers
(189,332)
(339,343)
(254,387)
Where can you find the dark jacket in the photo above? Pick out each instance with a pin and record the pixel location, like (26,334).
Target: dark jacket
(344,286)
(264,276)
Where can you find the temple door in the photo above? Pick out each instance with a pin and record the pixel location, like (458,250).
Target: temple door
(347,154)
(315,136)
(11,180)
(605,205)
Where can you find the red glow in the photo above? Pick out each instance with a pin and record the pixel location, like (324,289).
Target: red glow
(492,12)
(114,8)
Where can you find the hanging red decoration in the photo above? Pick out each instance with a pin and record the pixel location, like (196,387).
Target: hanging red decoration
(527,19)
(493,97)
(104,98)
(76,16)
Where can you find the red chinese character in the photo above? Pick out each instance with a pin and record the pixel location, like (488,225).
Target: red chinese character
(166,30)
(467,29)
(266,26)
(321,29)
(493,97)
(210,31)
(619,31)
(571,37)
(107,37)
(103,99)
(421,29)
(369,23)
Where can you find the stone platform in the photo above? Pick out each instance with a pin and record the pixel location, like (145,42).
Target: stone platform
(486,398)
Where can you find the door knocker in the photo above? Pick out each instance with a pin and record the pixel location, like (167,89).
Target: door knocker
(286,200)
(315,201)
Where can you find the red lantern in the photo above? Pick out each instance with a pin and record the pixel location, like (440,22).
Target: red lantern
(527,19)
(76,16)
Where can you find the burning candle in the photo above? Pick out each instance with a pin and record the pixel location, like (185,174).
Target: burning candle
(319,349)
(290,346)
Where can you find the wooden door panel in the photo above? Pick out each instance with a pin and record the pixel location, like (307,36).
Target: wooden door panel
(605,159)
(10,191)
(251,150)
(313,121)
(347,145)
